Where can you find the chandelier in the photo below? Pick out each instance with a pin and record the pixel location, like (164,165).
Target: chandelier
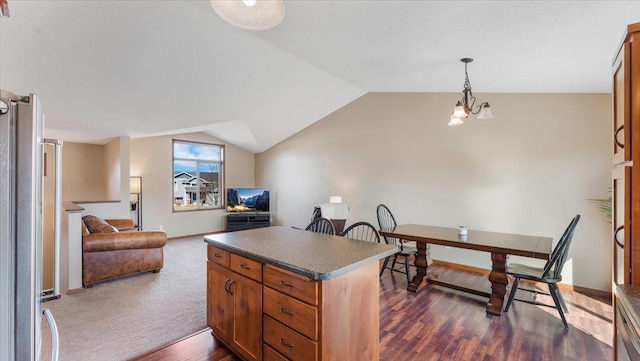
(465,106)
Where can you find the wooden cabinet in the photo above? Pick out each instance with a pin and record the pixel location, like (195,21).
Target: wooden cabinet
(294,314)
(291,314)
(269,354)
(626,150)
(276,314)
(246,304)
(218,308)
(334,319)
(234,302)
(626,174)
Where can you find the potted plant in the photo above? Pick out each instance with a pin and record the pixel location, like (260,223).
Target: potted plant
(604,205)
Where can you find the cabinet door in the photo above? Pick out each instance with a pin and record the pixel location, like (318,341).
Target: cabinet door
(621,222)
(622,143)
(247,316)
(219,301)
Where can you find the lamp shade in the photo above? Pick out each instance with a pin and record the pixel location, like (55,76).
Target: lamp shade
(455,121)
(334,210)
(485,113)
(335,199)
(135,184)
(459,111)
(249,14)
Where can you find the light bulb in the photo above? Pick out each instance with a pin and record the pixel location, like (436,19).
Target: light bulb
(249,2)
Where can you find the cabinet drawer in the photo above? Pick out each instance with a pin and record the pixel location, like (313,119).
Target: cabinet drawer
(288,342)
(291,312)
(269,354)
(291,284)
(246,267)
(218,255)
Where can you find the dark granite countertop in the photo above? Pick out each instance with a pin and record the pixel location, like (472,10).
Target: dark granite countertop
(314,255)
(629,295)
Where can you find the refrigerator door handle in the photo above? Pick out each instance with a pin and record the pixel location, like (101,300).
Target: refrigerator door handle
(54,334)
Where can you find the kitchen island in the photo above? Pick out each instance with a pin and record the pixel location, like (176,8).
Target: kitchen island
(279,293)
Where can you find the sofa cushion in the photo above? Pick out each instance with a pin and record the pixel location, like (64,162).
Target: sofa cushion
(124,224)
(85,230)
(98,225)
(104,242)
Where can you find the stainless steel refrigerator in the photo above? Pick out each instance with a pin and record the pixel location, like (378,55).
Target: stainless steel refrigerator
(21,149)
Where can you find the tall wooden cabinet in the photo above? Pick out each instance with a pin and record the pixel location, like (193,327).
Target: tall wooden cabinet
(626,152)
(625,190)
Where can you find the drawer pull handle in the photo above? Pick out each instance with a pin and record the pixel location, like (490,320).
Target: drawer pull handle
(244,266)
(285,311)
(284,343)
(231,284)
(615,137)
(615,236)
(286,284)
(217,255)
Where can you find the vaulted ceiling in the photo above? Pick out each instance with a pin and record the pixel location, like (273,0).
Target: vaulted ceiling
(106,69)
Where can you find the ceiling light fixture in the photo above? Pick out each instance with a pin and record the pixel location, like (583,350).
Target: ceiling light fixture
(250,14)
(463,107)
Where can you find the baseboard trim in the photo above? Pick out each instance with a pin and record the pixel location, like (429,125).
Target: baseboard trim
(565,286)
(588,291)
(172,343)
(74,291)
(194,235)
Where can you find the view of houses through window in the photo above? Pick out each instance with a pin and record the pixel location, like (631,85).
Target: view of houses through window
(198,170)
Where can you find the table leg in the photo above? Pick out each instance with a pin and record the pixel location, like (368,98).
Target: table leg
(421,267)
(428,255)
(499,281)
(430,273)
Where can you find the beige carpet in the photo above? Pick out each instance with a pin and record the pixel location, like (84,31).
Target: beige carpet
(123,318)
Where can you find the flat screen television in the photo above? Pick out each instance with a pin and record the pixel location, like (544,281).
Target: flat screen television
(247,200)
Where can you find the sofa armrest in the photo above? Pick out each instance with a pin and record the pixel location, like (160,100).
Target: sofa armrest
(98,242)
(125,224)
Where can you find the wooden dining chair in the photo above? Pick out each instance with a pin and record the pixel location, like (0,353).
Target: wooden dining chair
(315,214)
(362,231)
(321,225)
(550,274)
(386,220)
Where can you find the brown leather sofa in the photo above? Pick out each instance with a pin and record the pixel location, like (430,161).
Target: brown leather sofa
(111,248)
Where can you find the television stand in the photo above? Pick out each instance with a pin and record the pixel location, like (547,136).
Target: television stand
(242,221)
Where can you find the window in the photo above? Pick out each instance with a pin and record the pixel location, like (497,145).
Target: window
(198,170)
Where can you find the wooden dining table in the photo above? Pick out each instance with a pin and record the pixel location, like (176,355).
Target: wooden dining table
(498,244)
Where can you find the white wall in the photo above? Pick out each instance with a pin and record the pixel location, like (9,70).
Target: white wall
(151,158)
(528,171)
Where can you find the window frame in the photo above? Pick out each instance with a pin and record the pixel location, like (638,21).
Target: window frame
(198,163)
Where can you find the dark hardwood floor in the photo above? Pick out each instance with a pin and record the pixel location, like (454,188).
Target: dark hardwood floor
(200,346)
(443,324)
